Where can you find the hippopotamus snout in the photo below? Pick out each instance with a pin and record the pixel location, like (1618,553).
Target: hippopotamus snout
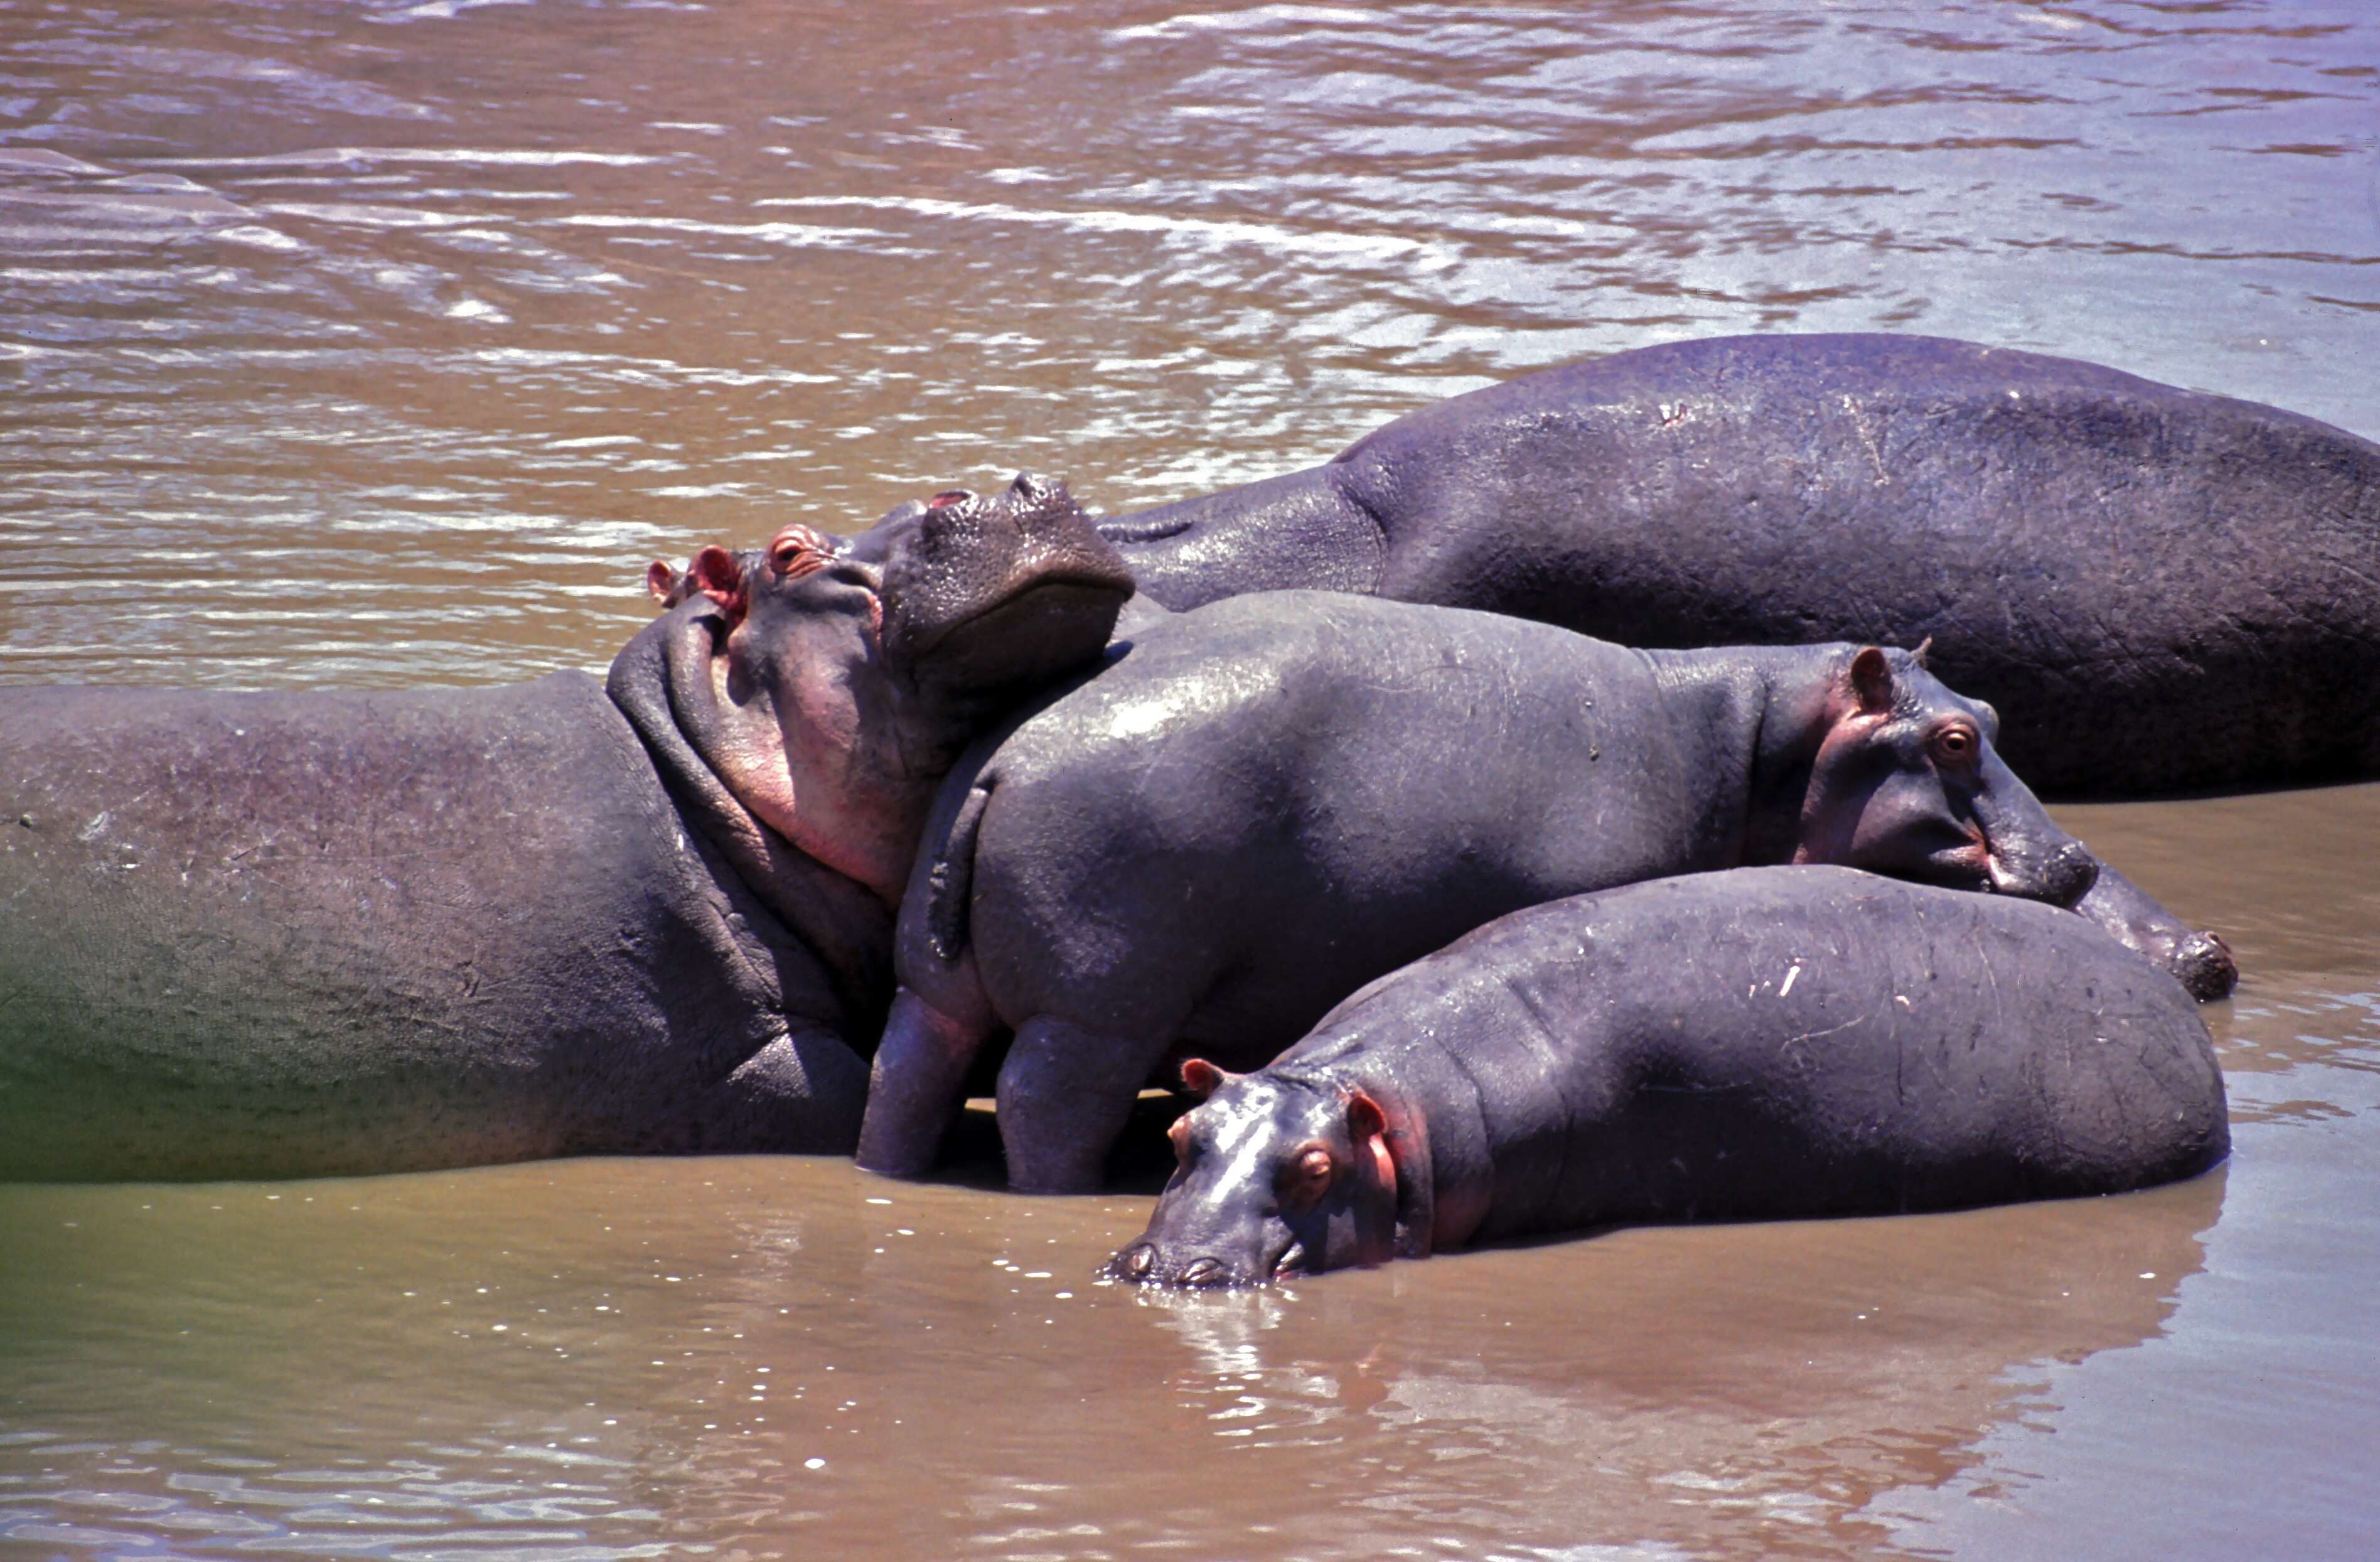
(2061,874)
(2206,966)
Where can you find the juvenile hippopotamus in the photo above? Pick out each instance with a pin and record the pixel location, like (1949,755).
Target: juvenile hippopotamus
(2159,589)
(1764,1043)
(1271,800)
(289,934)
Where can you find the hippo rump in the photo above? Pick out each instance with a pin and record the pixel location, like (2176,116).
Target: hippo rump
(1774,1043)
(1273,800)
(312,933)
(2159,589)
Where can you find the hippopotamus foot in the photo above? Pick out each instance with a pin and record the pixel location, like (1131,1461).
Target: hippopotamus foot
(917,1085)
(1065,1096)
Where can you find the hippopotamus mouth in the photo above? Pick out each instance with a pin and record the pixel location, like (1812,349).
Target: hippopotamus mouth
(1144,1264)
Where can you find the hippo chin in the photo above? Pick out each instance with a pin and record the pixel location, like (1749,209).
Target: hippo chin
(310,933)
(2161,589)
(1773,1042)
(1273,800)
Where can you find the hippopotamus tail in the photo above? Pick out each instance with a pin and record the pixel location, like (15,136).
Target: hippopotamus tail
(948,870)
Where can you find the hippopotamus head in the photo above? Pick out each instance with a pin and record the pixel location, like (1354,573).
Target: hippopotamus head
(1906,781)
(828,684)
(1273,1177)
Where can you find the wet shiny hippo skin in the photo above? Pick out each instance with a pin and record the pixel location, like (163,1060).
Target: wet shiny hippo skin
(1772,1042)
(311,932)
(2158,588)
(1273,800)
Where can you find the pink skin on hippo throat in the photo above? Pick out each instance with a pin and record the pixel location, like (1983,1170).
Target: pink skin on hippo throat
(807,734)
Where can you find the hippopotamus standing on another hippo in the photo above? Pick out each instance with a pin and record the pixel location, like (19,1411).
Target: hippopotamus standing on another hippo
(2159,589)
(1771,1043)
(290,933)
(1273,800)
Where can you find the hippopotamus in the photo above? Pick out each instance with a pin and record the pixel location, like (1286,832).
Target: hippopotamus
(286,933)
(1268,801)
(2159,589)
(1771,1043)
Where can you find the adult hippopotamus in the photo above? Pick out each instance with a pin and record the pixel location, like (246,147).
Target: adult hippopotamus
(289,934)
(1770,1042)
(1273,800)
(2159,589)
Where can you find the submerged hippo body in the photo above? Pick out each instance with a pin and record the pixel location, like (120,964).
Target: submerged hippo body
(261,934)
(2158,588)
(314,932)
(1275,798)
(1771,1043)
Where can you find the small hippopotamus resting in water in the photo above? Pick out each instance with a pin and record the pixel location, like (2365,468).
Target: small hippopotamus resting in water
(1774,1043)
(1270,802)
(2158,588)
(308,932)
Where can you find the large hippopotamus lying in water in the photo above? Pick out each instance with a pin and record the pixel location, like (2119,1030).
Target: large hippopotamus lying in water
(1771,1043)
(1273,800)
(288,934)
(2158,588)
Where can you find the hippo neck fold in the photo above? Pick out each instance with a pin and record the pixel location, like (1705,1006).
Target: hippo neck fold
(1762,709)
(840,920)
(1429,1217)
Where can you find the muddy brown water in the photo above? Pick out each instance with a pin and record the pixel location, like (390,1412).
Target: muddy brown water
(383,342)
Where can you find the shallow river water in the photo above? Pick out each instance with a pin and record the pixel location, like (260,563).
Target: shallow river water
(383,342)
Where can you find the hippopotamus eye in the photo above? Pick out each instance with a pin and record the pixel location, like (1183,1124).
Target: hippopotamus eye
(798,551)
(1305,1177)
(1956,743)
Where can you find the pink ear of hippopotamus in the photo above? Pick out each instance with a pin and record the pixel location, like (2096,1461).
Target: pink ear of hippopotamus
(1872,680)
(1201,1078)
(720,578)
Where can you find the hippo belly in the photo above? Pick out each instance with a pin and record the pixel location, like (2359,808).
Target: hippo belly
(293,934)
(2158,588)
(1765,1042)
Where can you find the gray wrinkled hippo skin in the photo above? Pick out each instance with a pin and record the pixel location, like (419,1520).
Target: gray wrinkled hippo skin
(1272,799)
(303,934)
(2159,589)
(1771,1043)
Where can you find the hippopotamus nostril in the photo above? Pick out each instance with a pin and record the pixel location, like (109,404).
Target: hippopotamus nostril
(948,498)
(2206,966)
(1204,1272)
(1137,1262)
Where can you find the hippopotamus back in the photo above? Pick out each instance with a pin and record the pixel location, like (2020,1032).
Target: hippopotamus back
(2158,588)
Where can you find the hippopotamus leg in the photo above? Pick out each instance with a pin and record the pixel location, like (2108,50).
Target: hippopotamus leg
(916,1083)
(1065,1095)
